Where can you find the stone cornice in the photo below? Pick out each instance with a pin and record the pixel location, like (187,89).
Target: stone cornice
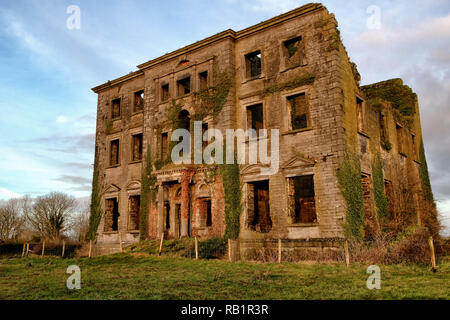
(227,34)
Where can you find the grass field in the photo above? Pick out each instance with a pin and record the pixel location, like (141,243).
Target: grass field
(143,276)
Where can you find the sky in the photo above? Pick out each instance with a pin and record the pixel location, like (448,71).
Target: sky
(47,123)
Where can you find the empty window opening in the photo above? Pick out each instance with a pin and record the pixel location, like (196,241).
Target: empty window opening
(184,86)
(139,101)
(165,92)
(137,147)
(184,120)
(114,153)
(293,51)
(167,216)
(134,203)
(116,108)
(204,131)
(258,211)
(164,145)
(206,212)
(359,113)
(255,118)
(112,215)
(203,80)
(400,139)
(253,64)
(302,197)
(299,111)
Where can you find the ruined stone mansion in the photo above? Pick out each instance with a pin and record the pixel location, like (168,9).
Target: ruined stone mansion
(290,73)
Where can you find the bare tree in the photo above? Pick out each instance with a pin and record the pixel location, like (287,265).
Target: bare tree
(12,219)
(50,214)
(79,222)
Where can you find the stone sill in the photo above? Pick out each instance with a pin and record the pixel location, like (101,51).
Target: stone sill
(135,161)
(418,162)
(296,131)
(261,76)
(137,112)
(114,166)
(293,67)
(363,134)
(304,225)
(403,154)
(110,232)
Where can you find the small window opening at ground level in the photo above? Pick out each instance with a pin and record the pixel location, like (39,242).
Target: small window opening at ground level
(258,210)
(111,215)
(302,199)
(134,208)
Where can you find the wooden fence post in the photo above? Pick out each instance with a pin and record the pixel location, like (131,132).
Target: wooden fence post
(43,248)
(196,248)
(161,244)
(347,256)
(120,241)
(63,248)
(23,250)
(90,248)
(28,248)
(433,256)
(279,250)
(230,256)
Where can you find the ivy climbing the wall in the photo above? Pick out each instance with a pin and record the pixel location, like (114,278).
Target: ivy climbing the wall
(210,101)
(232,196)
(349,178)
(96,210)
(148,194)
(424,175)
(402,97)
(378,189)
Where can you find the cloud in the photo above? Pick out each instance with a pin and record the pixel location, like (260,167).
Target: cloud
(276,6)
(6,194)
(61,119)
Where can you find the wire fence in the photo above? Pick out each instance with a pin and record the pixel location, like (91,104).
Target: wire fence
(53,249)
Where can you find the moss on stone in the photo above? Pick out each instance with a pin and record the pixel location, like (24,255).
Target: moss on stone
(304,79)
(402,98)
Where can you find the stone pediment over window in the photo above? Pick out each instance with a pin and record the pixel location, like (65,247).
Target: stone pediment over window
(112,189)
(252,172)
(134,188)
(298,166)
